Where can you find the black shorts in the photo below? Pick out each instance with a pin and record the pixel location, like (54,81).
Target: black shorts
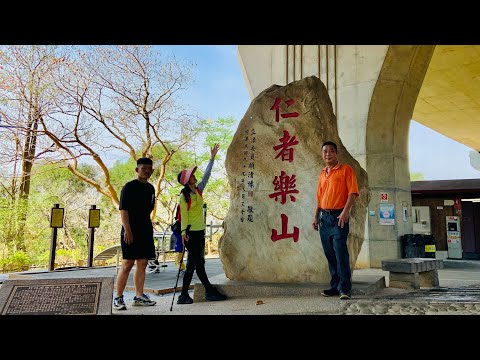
(143,247)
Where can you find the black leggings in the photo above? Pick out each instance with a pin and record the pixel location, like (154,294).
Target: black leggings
(195,261)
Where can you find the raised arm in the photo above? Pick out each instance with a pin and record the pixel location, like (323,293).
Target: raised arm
(213,152)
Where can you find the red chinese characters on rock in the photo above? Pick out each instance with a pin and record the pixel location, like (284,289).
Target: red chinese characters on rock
(276,107)
(284,235)
(284,185)
(286,149)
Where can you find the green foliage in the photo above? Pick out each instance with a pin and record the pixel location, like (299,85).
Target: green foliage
(218,131)
(7,214)
(37,226)
(11,213)
(217,197)
(53,184)
(121,173)
(47,174)
(41,259)
(179,161)
(65,257)
(17,261)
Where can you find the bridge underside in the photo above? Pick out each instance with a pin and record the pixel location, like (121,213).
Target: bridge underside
(449,99)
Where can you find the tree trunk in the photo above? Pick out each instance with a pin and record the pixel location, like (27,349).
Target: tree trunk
(28,157)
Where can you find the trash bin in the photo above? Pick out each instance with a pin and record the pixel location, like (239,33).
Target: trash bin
(413,246)
(430,248)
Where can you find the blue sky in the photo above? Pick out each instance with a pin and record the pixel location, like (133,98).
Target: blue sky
(437,156)
(220,91)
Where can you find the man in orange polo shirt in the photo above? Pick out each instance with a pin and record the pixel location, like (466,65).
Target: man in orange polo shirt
(336,193)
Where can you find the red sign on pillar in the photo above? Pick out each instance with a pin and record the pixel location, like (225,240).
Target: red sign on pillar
(457,204)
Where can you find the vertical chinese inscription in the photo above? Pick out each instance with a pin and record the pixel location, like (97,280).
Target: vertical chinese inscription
(248,175)
(284,184)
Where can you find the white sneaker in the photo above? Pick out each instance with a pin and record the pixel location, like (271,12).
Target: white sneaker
(119,304)
(143,300)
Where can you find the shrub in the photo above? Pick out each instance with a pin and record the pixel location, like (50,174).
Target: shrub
(18,261)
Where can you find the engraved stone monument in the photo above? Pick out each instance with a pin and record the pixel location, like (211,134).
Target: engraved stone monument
(273,164)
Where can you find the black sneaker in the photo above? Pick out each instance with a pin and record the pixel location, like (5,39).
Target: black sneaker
(214,295)
(345,296)
(184,299)
(119,304)
(330,292)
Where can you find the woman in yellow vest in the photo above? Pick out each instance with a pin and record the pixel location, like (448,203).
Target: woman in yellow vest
(193,230)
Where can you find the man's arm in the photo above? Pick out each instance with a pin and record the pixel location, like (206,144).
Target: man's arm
(352,188)
(315,219)
(345,214)
(350,200)
(317,208)
(128,235)
(125,195)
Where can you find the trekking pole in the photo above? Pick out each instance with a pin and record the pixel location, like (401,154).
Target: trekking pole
(163,248)
(179,269)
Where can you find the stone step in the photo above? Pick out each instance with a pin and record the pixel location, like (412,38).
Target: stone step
(411,265)
(362,285)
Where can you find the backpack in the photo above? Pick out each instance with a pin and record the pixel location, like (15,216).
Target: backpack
(177,224)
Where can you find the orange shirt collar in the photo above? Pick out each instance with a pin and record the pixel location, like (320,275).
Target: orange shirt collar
(334,168)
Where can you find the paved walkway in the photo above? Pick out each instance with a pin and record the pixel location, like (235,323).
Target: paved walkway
(459,294)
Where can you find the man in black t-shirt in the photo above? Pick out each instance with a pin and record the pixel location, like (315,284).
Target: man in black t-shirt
(137,201)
